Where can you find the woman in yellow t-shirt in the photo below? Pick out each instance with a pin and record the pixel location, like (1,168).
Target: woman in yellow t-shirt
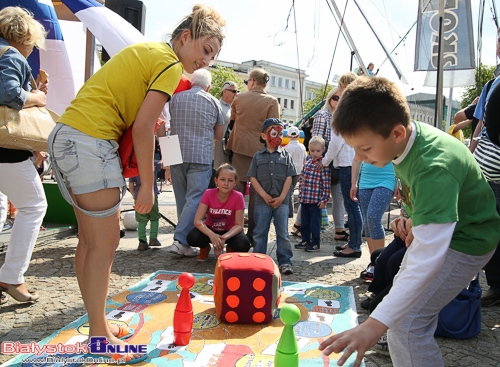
(131,88)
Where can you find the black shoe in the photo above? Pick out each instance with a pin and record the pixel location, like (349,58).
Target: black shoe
(302,245)
(490,298)
(366,303)
(143,245)
(313,247)
(341,247)
(352,254)
(122,233)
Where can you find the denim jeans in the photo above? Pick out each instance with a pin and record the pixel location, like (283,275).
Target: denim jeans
(352,209)
(373,203)
(263,215)
(310,225)
(189,180)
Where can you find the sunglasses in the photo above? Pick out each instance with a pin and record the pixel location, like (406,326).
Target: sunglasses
(335,98)
(247,81)
(232,90)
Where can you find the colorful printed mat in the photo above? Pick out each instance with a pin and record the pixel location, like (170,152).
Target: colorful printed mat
(148,308)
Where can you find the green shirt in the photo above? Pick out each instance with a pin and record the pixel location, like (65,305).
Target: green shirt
(446,185)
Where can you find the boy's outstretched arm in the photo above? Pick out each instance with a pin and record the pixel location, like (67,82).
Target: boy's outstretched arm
(359,339)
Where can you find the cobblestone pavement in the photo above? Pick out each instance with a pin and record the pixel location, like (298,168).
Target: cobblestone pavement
(52,274)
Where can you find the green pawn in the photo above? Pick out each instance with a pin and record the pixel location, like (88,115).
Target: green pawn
(287,352)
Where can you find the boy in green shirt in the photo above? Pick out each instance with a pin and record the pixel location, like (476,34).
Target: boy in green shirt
(455,223)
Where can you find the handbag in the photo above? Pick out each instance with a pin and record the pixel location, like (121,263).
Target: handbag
(27,129)
(461,318)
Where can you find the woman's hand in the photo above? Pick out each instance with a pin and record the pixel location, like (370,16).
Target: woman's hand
(144,201)
(354,193)
(42,86)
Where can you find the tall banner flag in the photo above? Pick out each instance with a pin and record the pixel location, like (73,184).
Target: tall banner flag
(112,31)
(54,59)
(458,42)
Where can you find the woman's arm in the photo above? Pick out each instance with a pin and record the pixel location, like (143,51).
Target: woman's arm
(238,225)
(143,136)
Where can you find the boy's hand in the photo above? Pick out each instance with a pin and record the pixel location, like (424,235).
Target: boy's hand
(144,201)
(322,205)
(359,339)
(275,202)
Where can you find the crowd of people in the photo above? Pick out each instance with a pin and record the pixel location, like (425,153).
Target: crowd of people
(361,157)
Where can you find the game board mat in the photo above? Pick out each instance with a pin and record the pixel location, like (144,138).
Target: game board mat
(148,307)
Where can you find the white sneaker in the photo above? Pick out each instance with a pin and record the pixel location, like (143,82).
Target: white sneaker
(178,249)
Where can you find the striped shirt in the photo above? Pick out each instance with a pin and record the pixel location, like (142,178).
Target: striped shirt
(314,185)
(487,156)
(193,116)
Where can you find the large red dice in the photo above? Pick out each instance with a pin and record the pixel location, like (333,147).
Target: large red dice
(246,288)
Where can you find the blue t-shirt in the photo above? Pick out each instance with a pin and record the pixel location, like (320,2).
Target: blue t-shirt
(372,177)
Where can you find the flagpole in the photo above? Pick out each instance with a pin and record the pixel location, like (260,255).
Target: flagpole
(438,113)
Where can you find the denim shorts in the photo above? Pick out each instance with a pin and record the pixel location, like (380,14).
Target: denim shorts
(85,164)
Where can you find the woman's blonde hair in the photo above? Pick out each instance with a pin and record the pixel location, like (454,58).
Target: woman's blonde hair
(260,76)
(18,25)
(202,22)
(328,97)
(346,79)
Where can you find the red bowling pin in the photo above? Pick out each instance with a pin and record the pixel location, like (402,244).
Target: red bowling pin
(183,314)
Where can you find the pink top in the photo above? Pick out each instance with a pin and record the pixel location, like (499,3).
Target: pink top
(221,216)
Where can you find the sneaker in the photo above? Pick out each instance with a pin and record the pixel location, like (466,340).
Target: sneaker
(382,346)
(286,269)
(203,256)
(122,233)
(181,250)
(367,274)
(313,247)
(490,298)
(302,245)
(143,245)
(154,242)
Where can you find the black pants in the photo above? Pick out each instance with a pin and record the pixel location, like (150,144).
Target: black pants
(238,243)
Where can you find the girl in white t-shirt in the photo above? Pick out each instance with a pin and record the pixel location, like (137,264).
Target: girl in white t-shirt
(220,216)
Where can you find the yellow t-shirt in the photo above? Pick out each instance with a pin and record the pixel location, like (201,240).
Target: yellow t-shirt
(108,102)
(459,134)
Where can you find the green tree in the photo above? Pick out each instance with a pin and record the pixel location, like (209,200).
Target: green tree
(221,74)
(483,74)
(319,95)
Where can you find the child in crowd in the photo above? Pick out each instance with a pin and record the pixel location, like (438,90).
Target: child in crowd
(374,118)
(134,184)
(298,153)
(219,219)
(314,191)
(271,172)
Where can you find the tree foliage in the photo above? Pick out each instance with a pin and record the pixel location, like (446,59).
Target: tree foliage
(221,74)
(318,97)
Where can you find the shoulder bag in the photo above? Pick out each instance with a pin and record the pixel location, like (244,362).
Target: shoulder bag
(27,129)
(461,318)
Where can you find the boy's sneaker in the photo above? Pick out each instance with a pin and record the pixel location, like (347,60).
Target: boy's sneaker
(313,247)
(143,245)
(181,250)
(302,245)
(154,242)
(286,269)
(366,302)
(382,346)
(367,274)
(203,255)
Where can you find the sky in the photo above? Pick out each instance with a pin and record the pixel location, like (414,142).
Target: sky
(265,30)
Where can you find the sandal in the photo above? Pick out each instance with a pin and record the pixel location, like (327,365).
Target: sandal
(344,234)
(296,232)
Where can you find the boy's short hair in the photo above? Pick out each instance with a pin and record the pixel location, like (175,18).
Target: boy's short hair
(317,140)
(371,104)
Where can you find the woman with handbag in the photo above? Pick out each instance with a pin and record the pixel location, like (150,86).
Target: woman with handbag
(131,88)
(19,180)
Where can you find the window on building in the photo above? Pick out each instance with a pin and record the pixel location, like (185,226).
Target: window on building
(309,95)
(280,82)
(285,104)
(287,85)
(292,104)
(293,84)
(279,101)
(273,81)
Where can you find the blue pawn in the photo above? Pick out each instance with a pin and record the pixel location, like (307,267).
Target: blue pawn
(287,352)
